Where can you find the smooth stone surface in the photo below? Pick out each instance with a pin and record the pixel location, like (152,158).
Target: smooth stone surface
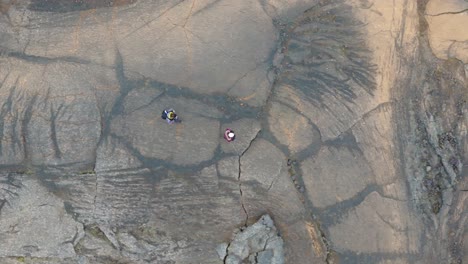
(335,175)
(256,95)
(52,110)
(112,155)
(38,217)
(269,187)
(245,129)
(374,137)
(174,45)
(446,38)
(190,142)
(377,225)
(437,7)
(262,164)
(291,128)
(82,89)
(286,10)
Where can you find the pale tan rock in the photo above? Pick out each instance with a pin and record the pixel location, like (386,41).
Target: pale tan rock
(36,224)
(333,118)
(53,107)
(291,129)
(334,175)
(436,7)
(263,164)
(185,53)
(266,185)
(286,9)
(197,135)
(378,225)
(375,137)
(203,45)
(396,190)
(446,38)
(255,96)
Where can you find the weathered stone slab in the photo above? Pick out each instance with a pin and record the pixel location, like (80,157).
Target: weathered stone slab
(378,225)
(35,224)
(50,112)
(334,175)
(375,137)
(245,129)
(446,38)
(267,187)
(291,128)
(112,155)
(175,46)
(190,142)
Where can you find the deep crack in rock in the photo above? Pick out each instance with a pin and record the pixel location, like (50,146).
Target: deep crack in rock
(239,179)
(258,243)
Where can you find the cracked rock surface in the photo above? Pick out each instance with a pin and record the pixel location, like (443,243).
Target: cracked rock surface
(258,243)
(350,116)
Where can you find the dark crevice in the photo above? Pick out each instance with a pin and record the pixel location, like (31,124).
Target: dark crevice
(28,112)
(117,108)
(449,13)
(239,180)
(42,60)
(53,130)
(5,110)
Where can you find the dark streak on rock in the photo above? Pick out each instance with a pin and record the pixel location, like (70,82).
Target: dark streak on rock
(53,132)
(27,115)
(326,54)
(240,181)
(42,60)
(5,110)
(333,214)
(64,6)
(450,13)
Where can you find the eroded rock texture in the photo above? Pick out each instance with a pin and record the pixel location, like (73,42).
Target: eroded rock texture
(258,243)
(350,120)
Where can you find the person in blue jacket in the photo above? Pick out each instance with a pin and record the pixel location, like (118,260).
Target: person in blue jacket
(170,116)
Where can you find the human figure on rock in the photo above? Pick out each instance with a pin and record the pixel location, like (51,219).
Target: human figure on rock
(170,116)
(229,135)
